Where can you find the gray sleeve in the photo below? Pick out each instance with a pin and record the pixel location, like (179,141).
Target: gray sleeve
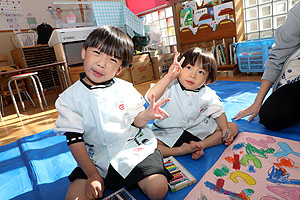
(287,40)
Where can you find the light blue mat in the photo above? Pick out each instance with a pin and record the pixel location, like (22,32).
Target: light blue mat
(36,167)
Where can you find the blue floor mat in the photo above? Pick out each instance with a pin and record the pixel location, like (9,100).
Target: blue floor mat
(36,167)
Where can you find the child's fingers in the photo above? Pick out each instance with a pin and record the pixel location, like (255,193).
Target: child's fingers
(162,102)
(176,57)
(163,112)
(229,140)
(152,99)
(182,60)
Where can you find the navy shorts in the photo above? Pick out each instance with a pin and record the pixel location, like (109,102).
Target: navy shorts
(153,164)
(186,137)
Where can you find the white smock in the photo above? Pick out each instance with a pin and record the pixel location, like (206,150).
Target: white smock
(193,111)
(104,116)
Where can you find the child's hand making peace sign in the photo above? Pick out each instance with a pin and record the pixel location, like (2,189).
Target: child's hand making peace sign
(175,68)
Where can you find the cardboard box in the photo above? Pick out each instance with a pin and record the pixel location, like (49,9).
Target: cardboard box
(74,73)
(161,64)
(125,74)
(141,69)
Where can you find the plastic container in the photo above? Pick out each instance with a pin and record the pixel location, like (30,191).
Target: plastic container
(252,54)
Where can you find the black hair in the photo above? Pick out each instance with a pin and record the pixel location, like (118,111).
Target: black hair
(204,57)
(113,42)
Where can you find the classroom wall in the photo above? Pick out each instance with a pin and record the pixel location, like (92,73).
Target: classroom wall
(39,9)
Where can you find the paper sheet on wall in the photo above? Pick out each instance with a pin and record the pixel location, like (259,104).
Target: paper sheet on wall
(223,9)
(186,17)
(12,23)
(10,7)
(198,13)
(254,166)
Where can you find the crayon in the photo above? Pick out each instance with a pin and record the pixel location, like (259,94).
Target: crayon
(179,181)
(177,176)
(169,164)
(175,171)
(171,168)
(225,136)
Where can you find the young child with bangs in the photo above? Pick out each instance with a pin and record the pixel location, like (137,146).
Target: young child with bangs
(104,120)
(196,119)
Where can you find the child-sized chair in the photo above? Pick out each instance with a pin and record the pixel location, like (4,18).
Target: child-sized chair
(32,76)
(7,89)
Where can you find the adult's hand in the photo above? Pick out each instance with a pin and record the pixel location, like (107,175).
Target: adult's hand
(252,110)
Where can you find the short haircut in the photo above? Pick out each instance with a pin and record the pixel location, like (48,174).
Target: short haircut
(206,58)
(113,42)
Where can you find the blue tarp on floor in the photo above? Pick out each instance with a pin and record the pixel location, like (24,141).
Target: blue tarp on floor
(36,167)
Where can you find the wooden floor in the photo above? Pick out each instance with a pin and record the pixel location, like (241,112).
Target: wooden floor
(34,121)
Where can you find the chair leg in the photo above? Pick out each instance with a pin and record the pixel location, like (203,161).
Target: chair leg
(62,69)
(37,93)
(20,97)
(42,90)
(29,98)
(53,80)
(2,107)
(13,98)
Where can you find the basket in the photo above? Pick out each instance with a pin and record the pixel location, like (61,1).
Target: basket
(252,54)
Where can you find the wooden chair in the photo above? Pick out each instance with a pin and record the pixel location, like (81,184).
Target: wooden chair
(20,86)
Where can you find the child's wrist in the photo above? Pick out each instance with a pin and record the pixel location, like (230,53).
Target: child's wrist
(169,77)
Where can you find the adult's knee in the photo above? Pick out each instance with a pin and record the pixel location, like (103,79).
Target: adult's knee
(270,120)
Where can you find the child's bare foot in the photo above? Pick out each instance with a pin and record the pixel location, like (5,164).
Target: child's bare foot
(190,148)
(198,154)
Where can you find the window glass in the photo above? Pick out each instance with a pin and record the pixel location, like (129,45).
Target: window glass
(265,23)
(252,13)
(170,21)
(161,14)
(155,16)
(169,12)
(162,22)
(263,17)
(252,36)
(266,34)
(252,26)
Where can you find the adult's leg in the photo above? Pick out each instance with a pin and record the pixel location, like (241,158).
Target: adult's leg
(282,108)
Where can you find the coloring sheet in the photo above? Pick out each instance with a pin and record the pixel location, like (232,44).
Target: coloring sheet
(254,166)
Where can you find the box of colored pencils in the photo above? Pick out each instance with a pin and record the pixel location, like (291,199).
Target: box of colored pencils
(181,177)
(121,194)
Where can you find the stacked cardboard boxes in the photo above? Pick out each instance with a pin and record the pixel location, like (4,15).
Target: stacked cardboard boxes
(161,64)
(144,68)
(141,69)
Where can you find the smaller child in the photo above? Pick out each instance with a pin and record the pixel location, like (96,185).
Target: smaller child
(196,119)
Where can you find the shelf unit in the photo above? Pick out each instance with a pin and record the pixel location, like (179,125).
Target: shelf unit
(206,37)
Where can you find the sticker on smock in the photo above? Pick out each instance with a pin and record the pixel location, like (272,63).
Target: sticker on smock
(136,149)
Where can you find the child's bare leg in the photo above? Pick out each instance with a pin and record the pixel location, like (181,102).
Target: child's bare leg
(76,190)
(185,148)
(234,129)
(154,186)
(215,139)
(212,140)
